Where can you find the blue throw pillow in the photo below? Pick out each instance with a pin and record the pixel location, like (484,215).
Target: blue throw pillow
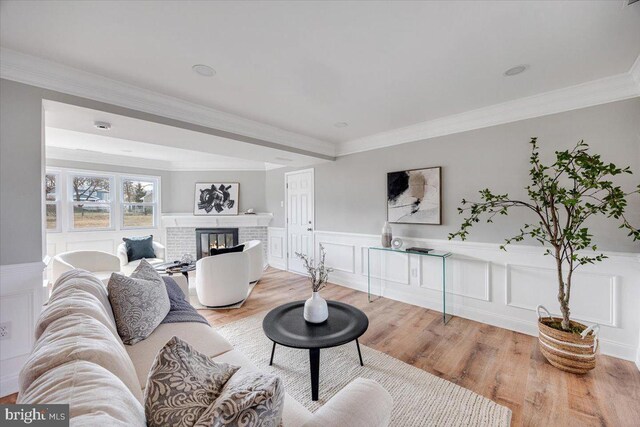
(214,251)
(139,247)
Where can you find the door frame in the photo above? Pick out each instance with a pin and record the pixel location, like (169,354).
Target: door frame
(286,212)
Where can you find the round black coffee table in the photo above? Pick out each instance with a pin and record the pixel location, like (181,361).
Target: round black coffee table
(285,325)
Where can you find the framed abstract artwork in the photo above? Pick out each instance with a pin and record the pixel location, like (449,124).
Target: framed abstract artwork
(215,198)
(414,196)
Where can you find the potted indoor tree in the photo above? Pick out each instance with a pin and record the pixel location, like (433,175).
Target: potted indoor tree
(562,197)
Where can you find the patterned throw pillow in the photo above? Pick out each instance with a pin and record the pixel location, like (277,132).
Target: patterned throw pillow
(139,302)
(183,385)
(248,399)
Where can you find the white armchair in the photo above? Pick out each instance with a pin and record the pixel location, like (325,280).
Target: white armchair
(256,261)
(222,280)
(127,267)
(102,264)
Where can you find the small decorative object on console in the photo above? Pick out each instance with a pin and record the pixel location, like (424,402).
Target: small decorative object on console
(187,259)
(417,249)
(315,308)
(386,235)
(396,243)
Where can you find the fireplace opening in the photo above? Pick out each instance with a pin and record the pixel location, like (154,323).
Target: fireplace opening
(210,238)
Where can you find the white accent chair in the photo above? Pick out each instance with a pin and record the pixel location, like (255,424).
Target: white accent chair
(102,264)
(223,279)
(256,260)
(127,267)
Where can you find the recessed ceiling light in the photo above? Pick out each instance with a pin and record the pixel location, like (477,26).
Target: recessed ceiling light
(341,124)
(284,159)
(102,125)
(204,70)
(514,71)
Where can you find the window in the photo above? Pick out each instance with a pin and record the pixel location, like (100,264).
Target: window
(52,200)
(138,202)
(90,202)
(77,200)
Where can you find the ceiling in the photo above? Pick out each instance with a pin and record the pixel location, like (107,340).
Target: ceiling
(304,66)
(70,134)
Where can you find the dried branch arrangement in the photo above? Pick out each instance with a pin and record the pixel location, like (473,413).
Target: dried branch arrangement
(317,275)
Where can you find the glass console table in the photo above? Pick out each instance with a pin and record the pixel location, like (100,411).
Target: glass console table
(437,254)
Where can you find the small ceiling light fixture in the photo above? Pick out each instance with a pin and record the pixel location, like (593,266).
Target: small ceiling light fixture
(102,125)
(514,71)
(341,124)
(204,70)
(127,151)
(283,159)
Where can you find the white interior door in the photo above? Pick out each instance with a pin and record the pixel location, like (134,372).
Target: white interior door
(300,217)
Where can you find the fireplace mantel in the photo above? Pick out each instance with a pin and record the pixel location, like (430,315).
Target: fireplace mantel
(189,220)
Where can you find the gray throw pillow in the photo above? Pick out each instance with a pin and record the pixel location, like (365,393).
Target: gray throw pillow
(139,302)
(248,399)
(182,386)
(139,247)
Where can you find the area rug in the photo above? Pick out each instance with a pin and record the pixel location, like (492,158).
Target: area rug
(420,398)
(195,302)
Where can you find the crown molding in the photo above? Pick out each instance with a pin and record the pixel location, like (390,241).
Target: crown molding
(596,92)
(86,156)
(51,75)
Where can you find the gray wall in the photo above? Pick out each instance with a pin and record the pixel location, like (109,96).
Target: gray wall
(350,192)
(20,173)
(181,185)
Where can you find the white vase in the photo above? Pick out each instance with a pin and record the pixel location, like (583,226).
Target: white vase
(315,309)
(387,235)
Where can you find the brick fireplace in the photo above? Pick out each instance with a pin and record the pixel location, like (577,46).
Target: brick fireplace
(180,231)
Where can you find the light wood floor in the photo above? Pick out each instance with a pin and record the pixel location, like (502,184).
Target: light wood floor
(502,365)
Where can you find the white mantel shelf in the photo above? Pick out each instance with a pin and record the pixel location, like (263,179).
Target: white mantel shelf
(189,220)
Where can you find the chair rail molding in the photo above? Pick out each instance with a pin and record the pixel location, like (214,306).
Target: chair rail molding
(21,299)
(487,284)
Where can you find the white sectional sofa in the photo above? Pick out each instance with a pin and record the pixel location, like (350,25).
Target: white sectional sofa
(102,264)
(78,358)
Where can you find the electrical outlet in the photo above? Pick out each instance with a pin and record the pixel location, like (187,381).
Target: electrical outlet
(5,330)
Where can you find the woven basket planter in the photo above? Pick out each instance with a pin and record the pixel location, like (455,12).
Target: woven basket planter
(566,350)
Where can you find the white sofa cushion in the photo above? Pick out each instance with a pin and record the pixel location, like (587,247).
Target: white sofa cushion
(129,268)
(200,336)
(347,408)
(95,396)
(75,300)
(79,336)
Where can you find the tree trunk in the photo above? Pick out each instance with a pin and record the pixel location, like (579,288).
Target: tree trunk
(564,304)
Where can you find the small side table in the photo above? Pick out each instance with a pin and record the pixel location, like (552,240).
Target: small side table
(285,325)
(442,255)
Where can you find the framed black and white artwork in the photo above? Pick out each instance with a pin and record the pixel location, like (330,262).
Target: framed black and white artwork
(414,196)
(216,198)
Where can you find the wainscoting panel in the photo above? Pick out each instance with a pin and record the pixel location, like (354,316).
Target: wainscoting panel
(489,285)
(340,256)
(593,297)
(277,247)
(106,245)
(21,299)
(465,276)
